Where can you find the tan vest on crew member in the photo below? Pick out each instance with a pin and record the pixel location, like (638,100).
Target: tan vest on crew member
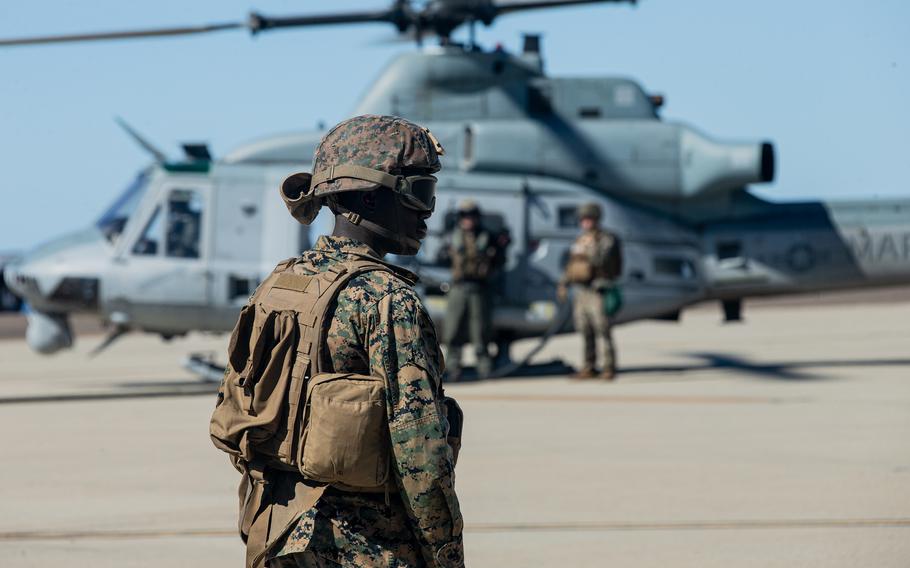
(473,255)
(594,256)
(277,410)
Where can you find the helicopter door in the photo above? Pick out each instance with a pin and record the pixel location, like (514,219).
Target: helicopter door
(239,221)
(730,267)
(163,280)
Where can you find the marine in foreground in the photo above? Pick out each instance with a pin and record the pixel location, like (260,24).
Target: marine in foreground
(332,404)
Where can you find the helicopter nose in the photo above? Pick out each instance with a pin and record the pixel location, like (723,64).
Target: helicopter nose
(62,275)
(43,287)
(18,282)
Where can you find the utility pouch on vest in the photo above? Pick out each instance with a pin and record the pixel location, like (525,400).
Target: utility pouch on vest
(346,440)
(258,402)
(579,270)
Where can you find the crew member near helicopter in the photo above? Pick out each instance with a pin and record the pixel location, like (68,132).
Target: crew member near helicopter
(476,255)
(595,263)
(332,404)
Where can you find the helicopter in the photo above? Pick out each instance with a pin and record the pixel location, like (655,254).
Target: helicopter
(186,243)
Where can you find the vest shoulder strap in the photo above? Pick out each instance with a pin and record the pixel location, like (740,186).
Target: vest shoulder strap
(314,321)
(311,296)
(268,283)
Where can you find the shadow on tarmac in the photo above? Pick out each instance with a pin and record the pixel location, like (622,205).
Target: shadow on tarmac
(547,369)
(781,371)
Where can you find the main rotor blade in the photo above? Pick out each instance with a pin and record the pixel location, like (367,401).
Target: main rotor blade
(259,22)
(129,34)
(255,23)
(509,6)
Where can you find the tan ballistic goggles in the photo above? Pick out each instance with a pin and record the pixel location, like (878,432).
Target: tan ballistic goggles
(416,192)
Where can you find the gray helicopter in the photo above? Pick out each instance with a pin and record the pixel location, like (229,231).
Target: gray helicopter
(186,243)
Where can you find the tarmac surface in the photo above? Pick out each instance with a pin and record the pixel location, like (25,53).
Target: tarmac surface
(778,442)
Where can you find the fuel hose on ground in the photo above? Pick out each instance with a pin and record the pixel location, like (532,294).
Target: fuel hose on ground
(559,321)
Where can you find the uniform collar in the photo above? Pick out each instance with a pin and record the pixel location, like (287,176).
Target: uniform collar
(332,244)
(344,245)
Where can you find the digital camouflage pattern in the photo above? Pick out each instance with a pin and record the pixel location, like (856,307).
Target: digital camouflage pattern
(591,320)
(379,327)
(385,143)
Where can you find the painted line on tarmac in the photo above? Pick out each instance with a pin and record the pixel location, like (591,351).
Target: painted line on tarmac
(208,389)
(625,399)
(743,524)
(755,524)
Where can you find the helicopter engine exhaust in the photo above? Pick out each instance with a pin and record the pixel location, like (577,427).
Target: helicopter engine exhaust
(48,333)
(708,166)
(646,159)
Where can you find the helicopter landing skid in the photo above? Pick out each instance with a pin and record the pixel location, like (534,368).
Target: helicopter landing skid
(203,365)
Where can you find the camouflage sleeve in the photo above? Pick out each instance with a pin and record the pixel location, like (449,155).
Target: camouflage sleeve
(403,348)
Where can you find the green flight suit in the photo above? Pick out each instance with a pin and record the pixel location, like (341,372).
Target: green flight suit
(475,257)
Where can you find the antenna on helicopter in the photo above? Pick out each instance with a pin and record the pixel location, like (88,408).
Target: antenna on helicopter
(439,17)
(196,151)
(143,142)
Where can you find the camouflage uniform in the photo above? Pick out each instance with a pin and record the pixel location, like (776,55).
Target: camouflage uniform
(379,327)
(376,326)
(596,248)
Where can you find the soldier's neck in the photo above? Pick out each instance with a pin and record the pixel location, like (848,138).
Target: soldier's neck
(346,229)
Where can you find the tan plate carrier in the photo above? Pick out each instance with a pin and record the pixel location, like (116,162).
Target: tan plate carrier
(276,410)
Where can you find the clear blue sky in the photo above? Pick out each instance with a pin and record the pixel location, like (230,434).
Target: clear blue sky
(828,82)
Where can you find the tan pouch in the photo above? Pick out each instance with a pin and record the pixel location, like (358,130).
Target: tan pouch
(256,407)
(346,439)
(579,270)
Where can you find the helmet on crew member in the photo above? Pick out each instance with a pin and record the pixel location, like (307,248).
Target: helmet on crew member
(590,211)
(366,153)
(468,208)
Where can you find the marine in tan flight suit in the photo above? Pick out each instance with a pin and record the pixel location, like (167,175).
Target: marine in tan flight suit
(595,262)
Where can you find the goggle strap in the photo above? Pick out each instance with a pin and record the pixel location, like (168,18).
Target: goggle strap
(356,172)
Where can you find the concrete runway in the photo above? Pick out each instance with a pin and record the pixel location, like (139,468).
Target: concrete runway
(780,442)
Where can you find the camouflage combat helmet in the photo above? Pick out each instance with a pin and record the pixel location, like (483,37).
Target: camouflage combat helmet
(468,207)
(590,211)
(362,154)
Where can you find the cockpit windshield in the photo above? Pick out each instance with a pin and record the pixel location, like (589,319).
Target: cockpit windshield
(114,219)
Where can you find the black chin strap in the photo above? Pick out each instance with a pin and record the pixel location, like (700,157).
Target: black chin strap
(407,244)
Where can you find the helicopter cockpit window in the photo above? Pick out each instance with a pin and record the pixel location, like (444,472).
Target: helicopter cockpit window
(567,216)
(184,224)
(113,220)
(147,244)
